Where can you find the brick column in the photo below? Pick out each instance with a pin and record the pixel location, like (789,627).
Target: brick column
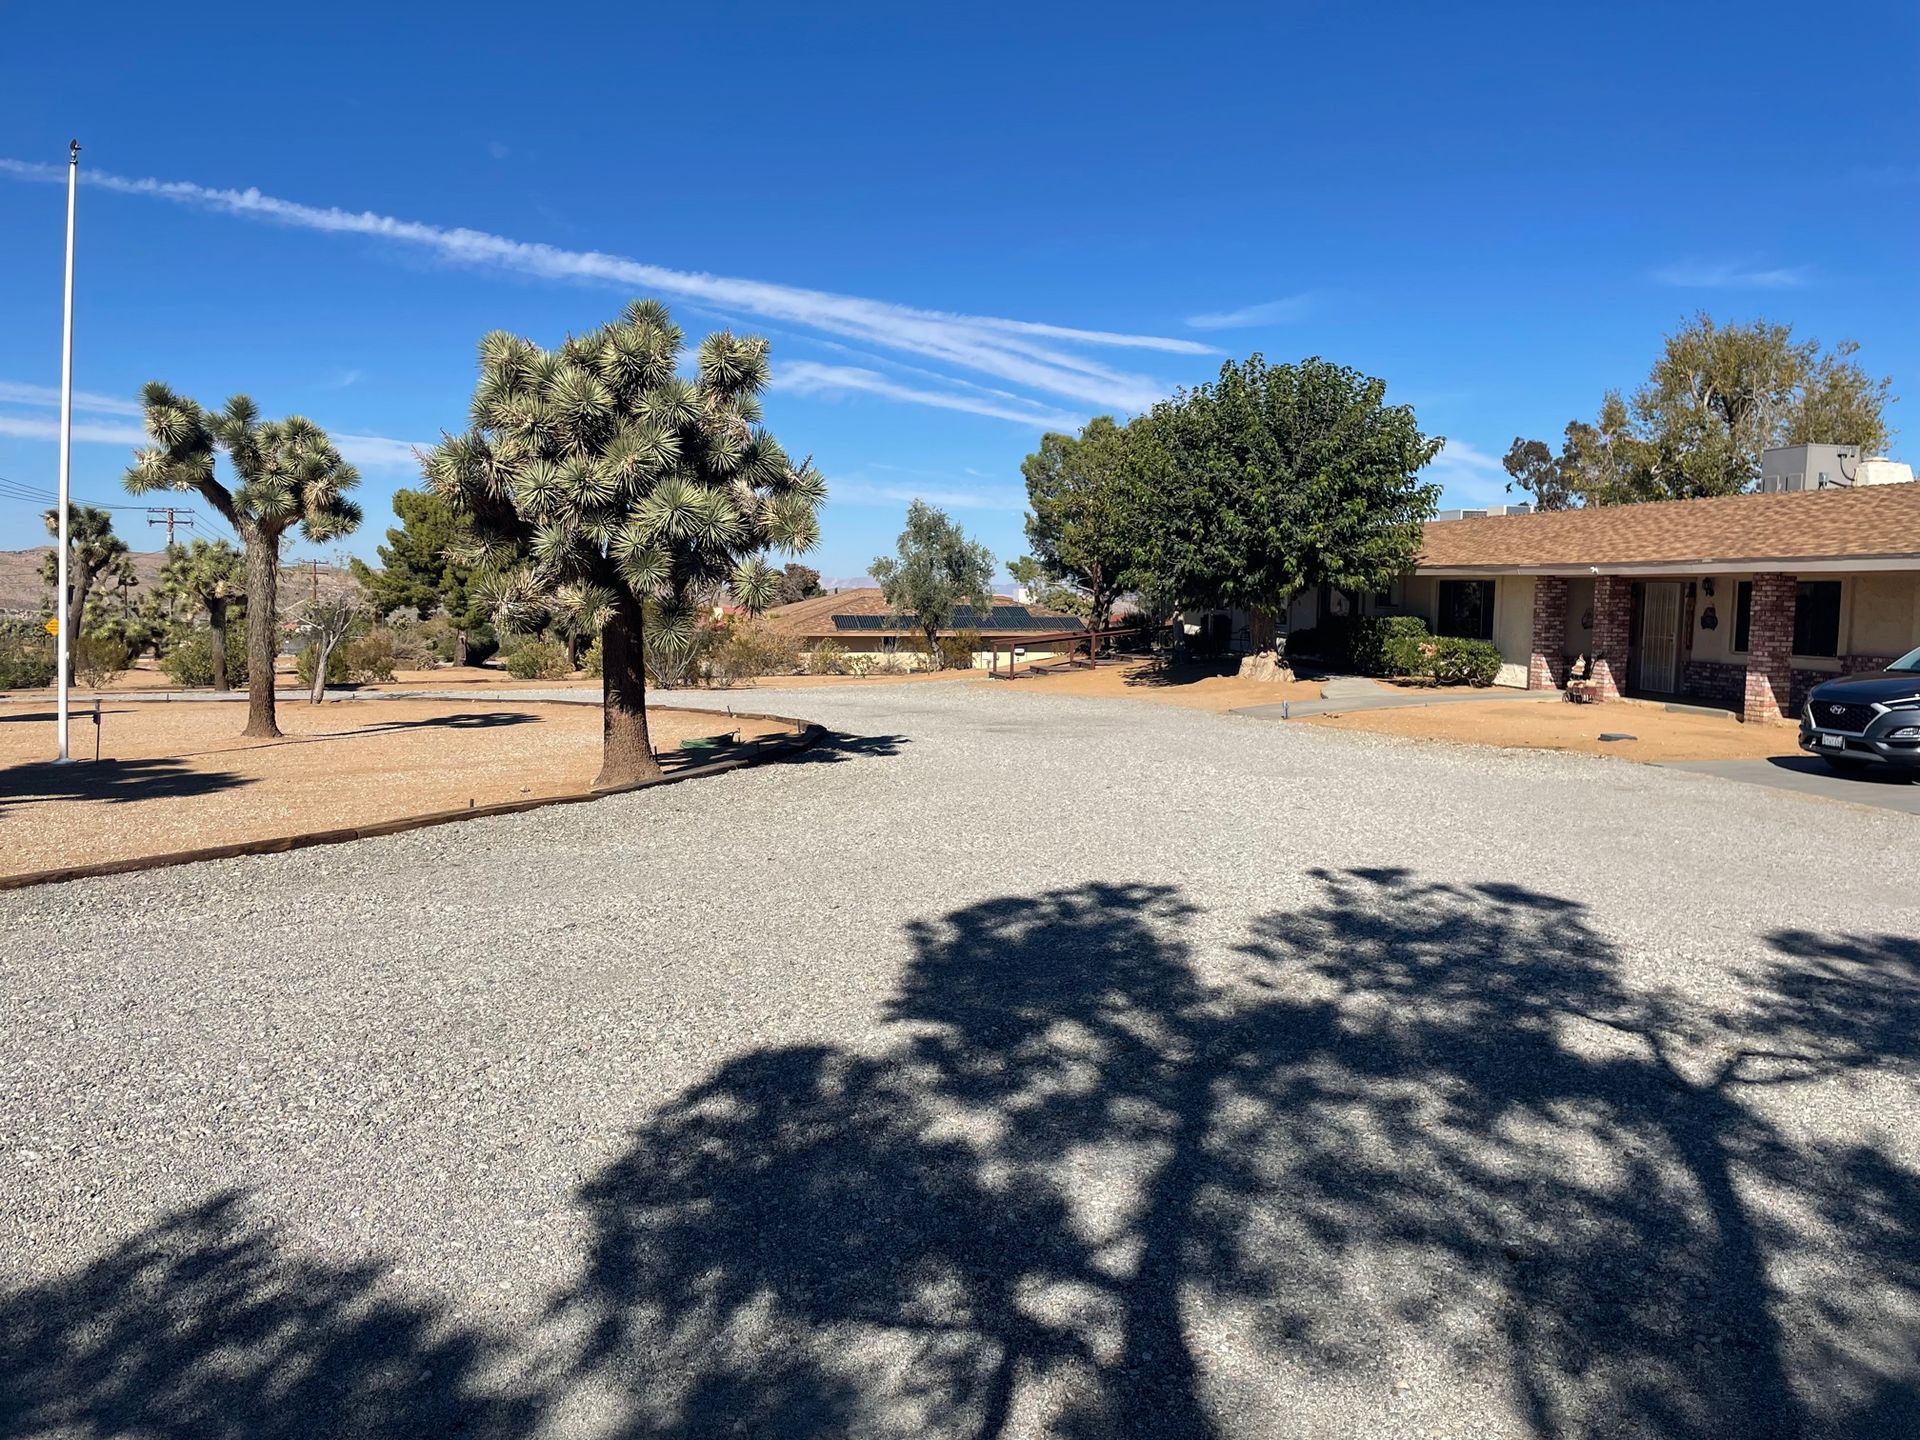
(1770,647)
(1547,665)
(1612,634)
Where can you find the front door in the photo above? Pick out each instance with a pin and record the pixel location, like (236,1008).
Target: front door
(1660,637)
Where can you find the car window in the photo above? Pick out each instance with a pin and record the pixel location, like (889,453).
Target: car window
(1908,661)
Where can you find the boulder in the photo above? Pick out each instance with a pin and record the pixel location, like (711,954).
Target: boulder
(1265,665)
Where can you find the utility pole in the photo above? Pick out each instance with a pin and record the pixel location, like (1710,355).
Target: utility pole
(64,641)
(166,515)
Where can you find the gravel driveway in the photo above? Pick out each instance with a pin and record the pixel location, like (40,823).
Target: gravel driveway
(1014,1066)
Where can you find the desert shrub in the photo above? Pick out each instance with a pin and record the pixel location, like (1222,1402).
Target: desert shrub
(538,660)
(957,651)
(894,665)
(370,656)
(189,658)
(414,645)
(860,666)
(309,659)
(27,660)
(591,660)
(827,658)
(1462,662)
(97,659)
(752,649)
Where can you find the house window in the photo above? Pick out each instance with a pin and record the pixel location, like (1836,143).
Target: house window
(1816,618)
(1742,615)
(1466,609)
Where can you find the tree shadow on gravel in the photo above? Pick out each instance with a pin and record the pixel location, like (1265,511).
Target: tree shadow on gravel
(1105,1186)
(204,1326)
(837,746)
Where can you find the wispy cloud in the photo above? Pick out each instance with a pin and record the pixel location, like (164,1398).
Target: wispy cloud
(1029,354)
(12,392)
(809,377)
(370,452)
(1732,275)
(1268,312)
(857,490)
(499,150)
(1468,475)
(342,379)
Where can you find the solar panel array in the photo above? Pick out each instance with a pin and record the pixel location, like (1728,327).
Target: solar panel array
(1000,618)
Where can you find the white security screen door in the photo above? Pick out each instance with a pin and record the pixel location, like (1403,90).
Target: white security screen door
(1660,637)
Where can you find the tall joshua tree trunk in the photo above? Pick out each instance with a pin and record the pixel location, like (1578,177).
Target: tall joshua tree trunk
(263,578)
(627,750)
(217,641)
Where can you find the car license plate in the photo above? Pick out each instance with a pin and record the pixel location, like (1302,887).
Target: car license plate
(1833,742)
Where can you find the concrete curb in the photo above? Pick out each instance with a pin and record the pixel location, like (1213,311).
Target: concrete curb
(806,736)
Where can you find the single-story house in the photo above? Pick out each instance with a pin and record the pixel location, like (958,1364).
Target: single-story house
(1746,601)
(1743,600)
(861,623)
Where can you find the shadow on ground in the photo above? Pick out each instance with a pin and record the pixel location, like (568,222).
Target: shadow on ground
(1095,1187)
(837,746)
(1869,774)
(111,780)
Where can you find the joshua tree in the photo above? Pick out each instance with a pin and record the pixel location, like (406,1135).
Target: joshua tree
(206,576)
(637,496)
(290,475)
(94,553)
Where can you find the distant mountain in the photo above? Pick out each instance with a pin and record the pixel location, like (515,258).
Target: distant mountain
(21,587)
(846,582)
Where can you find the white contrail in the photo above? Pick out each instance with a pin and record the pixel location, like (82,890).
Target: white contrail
(1022,352)
(809,377)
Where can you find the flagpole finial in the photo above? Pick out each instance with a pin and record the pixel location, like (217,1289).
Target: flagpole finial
(73,152)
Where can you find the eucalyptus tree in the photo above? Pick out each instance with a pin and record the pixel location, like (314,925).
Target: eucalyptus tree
(207,575)
(936,569)
(605,488)
(289,474)
(94,554)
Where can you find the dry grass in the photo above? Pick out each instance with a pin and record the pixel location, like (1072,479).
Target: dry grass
(1532,725)
(178,776)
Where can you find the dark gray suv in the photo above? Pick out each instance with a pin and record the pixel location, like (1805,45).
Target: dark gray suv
(1856,721)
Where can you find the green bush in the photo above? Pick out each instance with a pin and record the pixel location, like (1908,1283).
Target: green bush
(1403,644)
(309,659)
(370,656)
(1462,662)
(591,661)
(27,660)
(1354,643)
(98,659)
(189,659)
(538,660)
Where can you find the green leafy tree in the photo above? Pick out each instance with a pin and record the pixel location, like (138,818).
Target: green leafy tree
(1044,590)
(420,568)
(1079,523)
(637,496)
(937,570)
(1276,478)
(1540,473)
(1717,397)
(210,576)
(798,582)
(95,557)
(289,475)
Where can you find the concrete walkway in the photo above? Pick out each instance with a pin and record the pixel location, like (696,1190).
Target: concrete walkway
(1345,694)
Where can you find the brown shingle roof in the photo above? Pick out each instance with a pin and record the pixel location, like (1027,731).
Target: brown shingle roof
(815,616)
(1872,522)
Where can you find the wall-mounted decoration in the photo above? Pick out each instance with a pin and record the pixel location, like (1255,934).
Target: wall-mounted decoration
(1586,619)
(1707,584)
(1708,619)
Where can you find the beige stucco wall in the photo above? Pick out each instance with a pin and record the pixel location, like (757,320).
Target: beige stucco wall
(1881,614)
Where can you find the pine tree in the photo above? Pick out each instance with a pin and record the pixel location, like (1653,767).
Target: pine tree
(636,496)
(421,569)
(290,475)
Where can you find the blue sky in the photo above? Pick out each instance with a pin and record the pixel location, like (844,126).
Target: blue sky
(956,233)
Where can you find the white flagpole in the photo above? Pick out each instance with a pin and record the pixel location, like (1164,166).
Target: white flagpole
(63,642)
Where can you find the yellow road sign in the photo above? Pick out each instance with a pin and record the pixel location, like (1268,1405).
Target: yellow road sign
(53,627)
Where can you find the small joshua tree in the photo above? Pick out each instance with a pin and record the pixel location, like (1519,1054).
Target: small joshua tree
(290,474)
(94,555)
(636,496)
(206,576)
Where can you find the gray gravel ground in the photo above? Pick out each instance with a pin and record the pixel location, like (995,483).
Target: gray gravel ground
(1016,1066)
